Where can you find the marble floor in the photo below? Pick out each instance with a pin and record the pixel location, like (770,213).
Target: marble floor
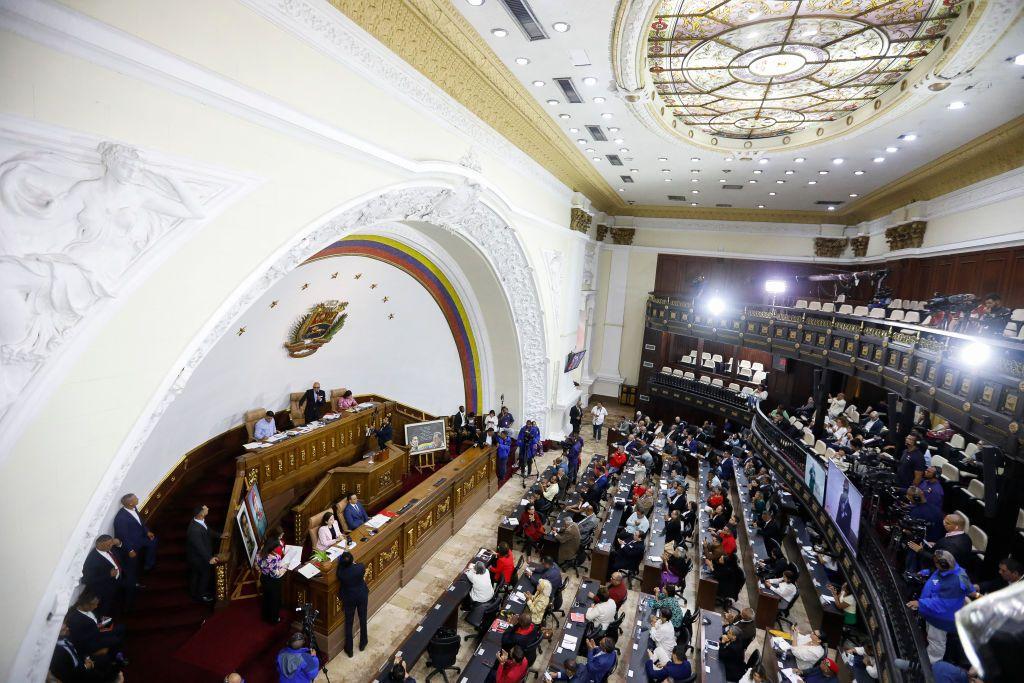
(389,626)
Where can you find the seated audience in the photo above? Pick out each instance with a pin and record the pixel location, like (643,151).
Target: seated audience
(91,634)
(522,634)
(355,513)
(729,574)
(328,533)
(549,571)
(482,589)
(512,666)
(826,670)
(741,624)
(265,427)
(617,588)
(955,542)
(503,564)
(601,659)
(731,654)
(1010,571)
(602,613)
(668,599)
(531,524)
(68,665)
(537,602)
(637,523)
(806,647)
(628,555)
(785,588)
(662,636)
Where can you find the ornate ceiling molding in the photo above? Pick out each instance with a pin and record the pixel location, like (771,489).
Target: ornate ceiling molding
(458,209)
(727,214)
(434,38)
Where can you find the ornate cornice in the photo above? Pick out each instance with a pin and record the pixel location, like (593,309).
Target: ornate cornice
(906,236)
(859,245)
(710,214)
(623,235)
(579,220)
(998,151)
(829,247)
(434,38)
(602,230)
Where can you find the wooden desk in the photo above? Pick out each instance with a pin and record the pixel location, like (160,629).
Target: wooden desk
(637,656)
(486,656)
(576,629)
(765,601)
(707,586)
(813,582)
(600,554)
(426,517)
(711,669)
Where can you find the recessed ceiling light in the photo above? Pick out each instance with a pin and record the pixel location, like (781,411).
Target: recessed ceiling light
(694,170)
(522,61)
(760,206)
(909,137)
(694,159)
(694,180)
(499,32)
(552,102)
(822,172)
(596,158)
(892,150)
(762,161)
(780,182)
(799,160)
(858,173)
(693,203)
(771,194)
(854,194)
(695,191)
(598,100)
(721,180)
(623,150)
(758,171)
(618,141)
(752,181)
(622,189)
(668,180)
(634,170)
(539,84)
(728,158)
(790,172)
(812,182)
(564,116)
(1019,60)
(956,105)
(560,26)
(838,160)
(589,80)
(607,115)
(666,170)
(475,3)
(613,129)
(574,130)
(878,160)
(581,141)
(591,150)
(831,208)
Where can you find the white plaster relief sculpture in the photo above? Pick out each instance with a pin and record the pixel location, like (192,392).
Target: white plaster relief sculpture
(70,230)
(553,258)
(589,266)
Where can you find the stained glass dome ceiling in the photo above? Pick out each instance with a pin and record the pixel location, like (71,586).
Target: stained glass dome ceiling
(759,69)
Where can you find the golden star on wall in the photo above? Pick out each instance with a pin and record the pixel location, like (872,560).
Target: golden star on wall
(273,304)
(334,276)
(358,275)
(391,316)
(305,286)
(385,299)
(241,331)
(373,286)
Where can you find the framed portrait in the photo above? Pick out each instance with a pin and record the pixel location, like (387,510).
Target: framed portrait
(424,437)
(249,541)
(257,514)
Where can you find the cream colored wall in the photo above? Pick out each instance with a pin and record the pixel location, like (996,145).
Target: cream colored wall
(642,267)
(1003,219)
(601,301)
(61,465)
(732,242)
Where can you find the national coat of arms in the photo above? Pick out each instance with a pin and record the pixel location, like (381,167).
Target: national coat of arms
(316,328)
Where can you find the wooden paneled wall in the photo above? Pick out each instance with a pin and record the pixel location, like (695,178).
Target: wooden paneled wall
(974,272)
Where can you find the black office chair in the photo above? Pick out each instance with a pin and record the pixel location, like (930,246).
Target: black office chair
(782,619)
(533,647)
(481,617)
(515,571)
(442,653)
(614,630)
(555,606)
(581,558)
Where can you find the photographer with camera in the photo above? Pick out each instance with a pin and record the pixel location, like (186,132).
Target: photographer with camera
(922,509)
(297,663)
(955,542)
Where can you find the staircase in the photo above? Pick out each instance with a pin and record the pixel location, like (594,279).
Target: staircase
(164,615)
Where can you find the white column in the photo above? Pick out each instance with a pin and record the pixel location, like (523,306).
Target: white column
(607,378)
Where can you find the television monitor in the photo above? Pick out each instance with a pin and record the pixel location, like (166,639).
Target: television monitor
(573,360)
(814,477)
(257,514)
(424,437)
(843,502)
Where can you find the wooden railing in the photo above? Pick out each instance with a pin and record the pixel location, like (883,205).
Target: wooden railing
(939,371)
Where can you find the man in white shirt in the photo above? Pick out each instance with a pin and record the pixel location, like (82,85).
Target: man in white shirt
(836,405)
(598,413)
(265,427)
(602,614)
(482,590)
(663,636)
(637,522)
(785,588)
(806,647)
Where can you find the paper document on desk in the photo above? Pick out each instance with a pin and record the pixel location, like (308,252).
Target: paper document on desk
(827,600)
(309,570)
(255,445)
(569,642)
(782,644)
(518,596)
(292,556)
(654,558)
(377,521)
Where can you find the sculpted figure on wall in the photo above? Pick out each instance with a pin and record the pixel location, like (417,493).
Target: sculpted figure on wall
(69,231)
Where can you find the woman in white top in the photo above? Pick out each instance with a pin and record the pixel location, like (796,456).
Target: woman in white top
(328,533)
(785,587)
(659,442)
(597,415)
(663,636)
(482,590)
(836,405)
(807,648)
(491,421)
(602,614)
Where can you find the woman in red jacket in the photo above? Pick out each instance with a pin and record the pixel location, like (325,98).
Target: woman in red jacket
(532,526)
(503,564)
(618,460)
(512,666)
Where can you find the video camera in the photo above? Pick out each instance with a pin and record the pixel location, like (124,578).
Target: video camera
(953,302)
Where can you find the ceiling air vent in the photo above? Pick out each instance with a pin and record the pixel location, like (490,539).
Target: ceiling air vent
(614,159)
(597,133)
(676,198)
(626,178)
(569,90)
(724,206)
(828,203)
(732,187)
(527,20)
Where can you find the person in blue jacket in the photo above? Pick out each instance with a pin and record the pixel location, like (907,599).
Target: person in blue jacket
(529,438)
(601,660)
(504,447)
(944,593)
(297,663)
(574,455)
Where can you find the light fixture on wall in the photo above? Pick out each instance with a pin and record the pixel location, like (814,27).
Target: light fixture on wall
(716,305)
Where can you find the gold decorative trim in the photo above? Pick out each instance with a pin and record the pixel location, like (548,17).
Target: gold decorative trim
(654,211)
(623,235)
(602,230)
(859,245)
(830,247)
(906,236)
(579,220)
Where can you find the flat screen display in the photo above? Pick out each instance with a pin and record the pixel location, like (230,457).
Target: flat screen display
(814,477)
(843,501)
(574,359)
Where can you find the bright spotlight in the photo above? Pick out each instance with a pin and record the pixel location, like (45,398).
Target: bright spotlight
(775,286)
(716,305)
(975,353)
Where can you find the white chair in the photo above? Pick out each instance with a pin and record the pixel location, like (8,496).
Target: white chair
(704,379)
(705,356)
(970,450)
(950,473)
(709,364)
(896,314)
(814,306)
(798,424)
(677,373)
(666,370)
(1018,315)
(734,387)
(1020,333)
(800,303)
(979,541)
(759,377)
(744,363)
(819,447)
(756,367)
(976,489)
(897,303)
(841,298)
(690,376)
(808,437)
(828,307)
(689,360)
(877,313)
(926,320)
(745,373)
(938,461)
(717,358)
(830,453)
(912,317)
(746,391)
(957,442)
(861,311)
(716,382)
(1010,330)
(967,520)
(846,309)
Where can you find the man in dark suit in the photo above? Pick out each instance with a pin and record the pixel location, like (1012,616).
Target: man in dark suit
(138,543)
(68,665)
(955,542)
(576,416)
(84,629)
(874,424)
(628,554)
(103,575)
(384,433)
(354,594)
(770,527)
(313,403)
(459,420)
(199,555)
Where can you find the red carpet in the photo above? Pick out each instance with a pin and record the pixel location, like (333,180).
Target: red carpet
(233,638)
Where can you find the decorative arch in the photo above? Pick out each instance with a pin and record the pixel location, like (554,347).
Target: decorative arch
(420,268)
(455,207)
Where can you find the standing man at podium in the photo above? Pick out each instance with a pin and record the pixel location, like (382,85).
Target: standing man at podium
(313,403)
